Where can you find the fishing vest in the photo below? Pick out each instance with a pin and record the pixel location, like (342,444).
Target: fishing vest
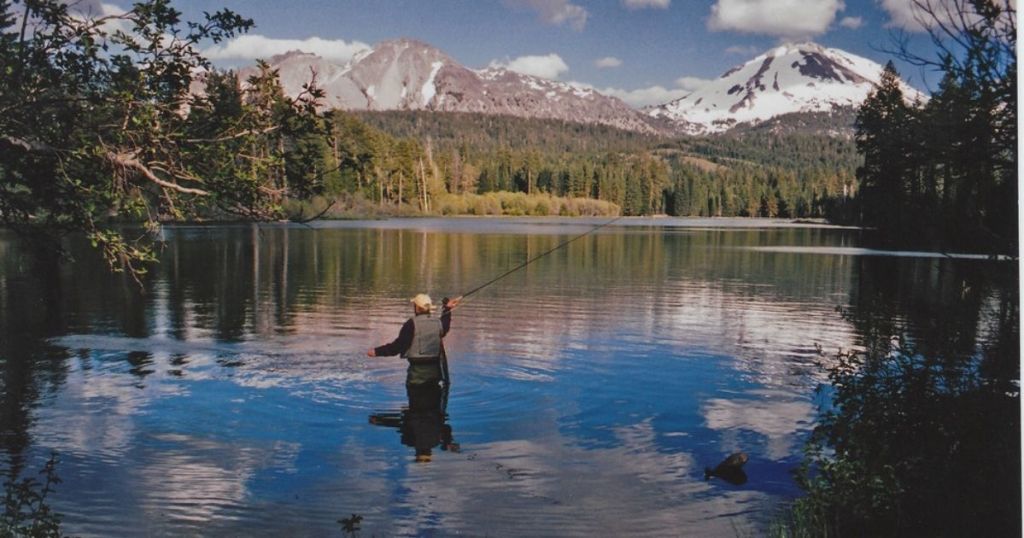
(426,338)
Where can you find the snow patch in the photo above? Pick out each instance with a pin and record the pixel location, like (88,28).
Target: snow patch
(429,89)
(775,83)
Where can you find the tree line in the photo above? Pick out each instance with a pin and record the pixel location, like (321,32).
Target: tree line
(109,119)
(751,174)
(945,171)
(922,436)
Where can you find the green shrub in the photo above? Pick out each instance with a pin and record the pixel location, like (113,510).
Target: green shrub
(913,445)
(25,510)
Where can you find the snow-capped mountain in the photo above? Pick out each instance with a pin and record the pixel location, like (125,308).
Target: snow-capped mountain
(803,77)
(406,74)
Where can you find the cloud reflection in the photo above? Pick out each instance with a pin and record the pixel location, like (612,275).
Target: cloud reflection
(779,417)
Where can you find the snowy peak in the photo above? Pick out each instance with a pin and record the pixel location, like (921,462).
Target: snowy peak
(398,74)
(803,77)
(406,74)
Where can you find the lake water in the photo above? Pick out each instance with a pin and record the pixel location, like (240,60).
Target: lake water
(589,390)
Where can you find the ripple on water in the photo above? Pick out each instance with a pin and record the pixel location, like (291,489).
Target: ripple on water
(589,392)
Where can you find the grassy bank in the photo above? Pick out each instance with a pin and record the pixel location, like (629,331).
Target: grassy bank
(490,204)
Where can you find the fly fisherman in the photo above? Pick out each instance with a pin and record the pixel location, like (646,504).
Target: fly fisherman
(420,342)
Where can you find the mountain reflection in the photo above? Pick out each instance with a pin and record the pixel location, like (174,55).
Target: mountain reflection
(598,381)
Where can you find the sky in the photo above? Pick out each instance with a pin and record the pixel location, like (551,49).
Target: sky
(643,51)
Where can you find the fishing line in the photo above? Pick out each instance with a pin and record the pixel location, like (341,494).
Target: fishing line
(444,357)
(539,256)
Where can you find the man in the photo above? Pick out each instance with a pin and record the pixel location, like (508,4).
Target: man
(420,342)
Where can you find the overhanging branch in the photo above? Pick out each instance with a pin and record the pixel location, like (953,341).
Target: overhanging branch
(127,160)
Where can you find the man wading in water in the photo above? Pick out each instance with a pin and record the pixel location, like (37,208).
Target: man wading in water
(420,342)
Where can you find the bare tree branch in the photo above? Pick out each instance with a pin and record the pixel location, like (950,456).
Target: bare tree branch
(128,160)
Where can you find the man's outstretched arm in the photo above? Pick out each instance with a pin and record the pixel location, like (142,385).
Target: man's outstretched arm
(396,347)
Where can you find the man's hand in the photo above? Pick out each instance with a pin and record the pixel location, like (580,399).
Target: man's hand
(372,352)
(452,303)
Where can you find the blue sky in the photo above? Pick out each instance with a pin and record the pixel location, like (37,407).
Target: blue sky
(641,50)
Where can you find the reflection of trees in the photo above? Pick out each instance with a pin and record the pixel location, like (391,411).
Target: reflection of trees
(240,281)
(30,311)
(925,426)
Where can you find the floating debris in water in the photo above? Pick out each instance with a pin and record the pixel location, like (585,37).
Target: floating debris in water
(730,470)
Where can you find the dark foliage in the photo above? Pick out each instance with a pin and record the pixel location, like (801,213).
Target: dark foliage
(945,172)
(26,512)
(922,437)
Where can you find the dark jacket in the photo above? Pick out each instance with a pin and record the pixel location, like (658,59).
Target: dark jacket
(420,370)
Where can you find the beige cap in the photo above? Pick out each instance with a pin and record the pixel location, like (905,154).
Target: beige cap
(422,301)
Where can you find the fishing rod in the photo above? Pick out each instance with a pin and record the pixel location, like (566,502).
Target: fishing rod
(537,257)
(444,358)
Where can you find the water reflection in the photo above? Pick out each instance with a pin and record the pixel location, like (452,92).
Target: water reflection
(423,424)
(598,381)
(924,438)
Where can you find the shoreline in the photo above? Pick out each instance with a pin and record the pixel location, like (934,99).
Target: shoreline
(660,221)
(544,225)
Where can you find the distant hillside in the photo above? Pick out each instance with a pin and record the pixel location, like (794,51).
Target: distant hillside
(757,171)
(838,123)
(793,141)
(480,132)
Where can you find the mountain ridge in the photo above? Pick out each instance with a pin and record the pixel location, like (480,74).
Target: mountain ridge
(409,74)
(790,78)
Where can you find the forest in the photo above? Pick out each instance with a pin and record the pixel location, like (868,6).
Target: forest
(102,126)
(943,173)
(395,157)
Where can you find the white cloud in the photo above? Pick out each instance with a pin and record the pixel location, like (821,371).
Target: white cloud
(250,47)
(607,62)
(904,14)
(555,12)
(111,9)
(691,83)
(653,95)
(791,19)
(549,66)
(641,4)
(914,16)
(852,22)
(88,10)
(92,8)
(741,50)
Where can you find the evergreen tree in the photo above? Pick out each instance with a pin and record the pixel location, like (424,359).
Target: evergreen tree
(883,138)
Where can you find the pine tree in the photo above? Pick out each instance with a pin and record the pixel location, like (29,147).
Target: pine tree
(883,138)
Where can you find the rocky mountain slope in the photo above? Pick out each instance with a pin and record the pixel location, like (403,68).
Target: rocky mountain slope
(410,75)
(785,82)
(788,79)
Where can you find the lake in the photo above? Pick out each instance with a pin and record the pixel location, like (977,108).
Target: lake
(589,390)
